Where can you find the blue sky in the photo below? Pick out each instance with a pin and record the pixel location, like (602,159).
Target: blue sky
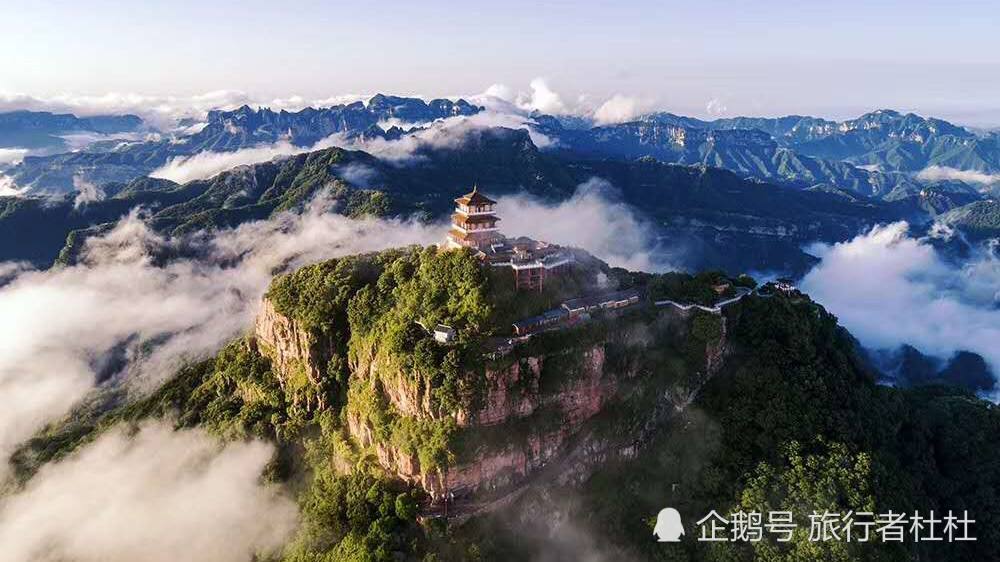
(832,58)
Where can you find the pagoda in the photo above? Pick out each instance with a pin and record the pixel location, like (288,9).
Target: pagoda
(474,223)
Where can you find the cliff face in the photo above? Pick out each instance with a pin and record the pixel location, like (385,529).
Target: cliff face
(293,350)
(528,427)
(533,410)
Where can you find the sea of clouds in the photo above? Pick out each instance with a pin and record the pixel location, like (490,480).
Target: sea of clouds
(594,219)
(183,494)
(890,288)
(159,495)
(444,134)
(944,173)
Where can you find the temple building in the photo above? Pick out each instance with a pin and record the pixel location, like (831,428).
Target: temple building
(474,225)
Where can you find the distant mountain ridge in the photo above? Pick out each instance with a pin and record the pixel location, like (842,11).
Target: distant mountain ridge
(228,131)
(42,129)
(876,154)
(733,223)
(891,140)
(805,153)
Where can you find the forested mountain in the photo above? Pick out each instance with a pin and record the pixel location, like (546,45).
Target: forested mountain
(228,131)
(980,220)
(874,154)
(891,140)
(767,406)
(794,180)
(708,210)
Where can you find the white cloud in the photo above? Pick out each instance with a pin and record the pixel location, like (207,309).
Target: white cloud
(12,155)
(358,174)
(943,173)
(889,288)
(79,141)
(500,91)
(715,107)
(391,122)
(204,165)
(86,192)
(59,324)
(157,496)
(591,220)
(444,134)
(7,186)
(542,98)
(619,109)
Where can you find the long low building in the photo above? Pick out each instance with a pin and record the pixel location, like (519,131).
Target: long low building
(540,322)
(617,299)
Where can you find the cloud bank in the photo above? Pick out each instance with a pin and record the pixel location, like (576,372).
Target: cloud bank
(7,186)
(358,174)
(61,325)
(157,496)
(12,155)
(593,220)
(86,192)
(204,165)
(620,109)
(889,288)
(445,134)
(542,98)
(943,173)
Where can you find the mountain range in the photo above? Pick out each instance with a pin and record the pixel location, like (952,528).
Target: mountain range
(228,131)
(716,217)
(41,130)
(761,186)
(877,154)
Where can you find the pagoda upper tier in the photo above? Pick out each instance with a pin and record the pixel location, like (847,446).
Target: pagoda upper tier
(474,223)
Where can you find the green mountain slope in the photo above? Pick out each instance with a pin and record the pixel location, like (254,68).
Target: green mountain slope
(979,220)
(710,209)
(766,407)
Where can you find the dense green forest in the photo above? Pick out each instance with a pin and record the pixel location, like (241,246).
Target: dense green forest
(753,225)
(794,420)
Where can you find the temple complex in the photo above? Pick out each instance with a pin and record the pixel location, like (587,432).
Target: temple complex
(474,225)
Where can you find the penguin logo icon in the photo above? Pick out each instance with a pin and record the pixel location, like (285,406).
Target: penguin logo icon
(668,526)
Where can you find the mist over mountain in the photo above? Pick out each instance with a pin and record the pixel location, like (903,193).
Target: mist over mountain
(500,282)
(443,144)
(256,293)
(879,154)
(700,214)
(40,130)
(227,131)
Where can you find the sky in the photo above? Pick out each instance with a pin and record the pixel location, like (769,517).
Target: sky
(714,57)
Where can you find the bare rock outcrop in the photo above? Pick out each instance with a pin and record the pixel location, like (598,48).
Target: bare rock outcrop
(291,348)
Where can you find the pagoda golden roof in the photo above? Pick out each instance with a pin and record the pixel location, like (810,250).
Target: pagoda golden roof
(475,199)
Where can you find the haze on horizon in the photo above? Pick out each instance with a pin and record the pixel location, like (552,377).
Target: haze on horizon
(706,59)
